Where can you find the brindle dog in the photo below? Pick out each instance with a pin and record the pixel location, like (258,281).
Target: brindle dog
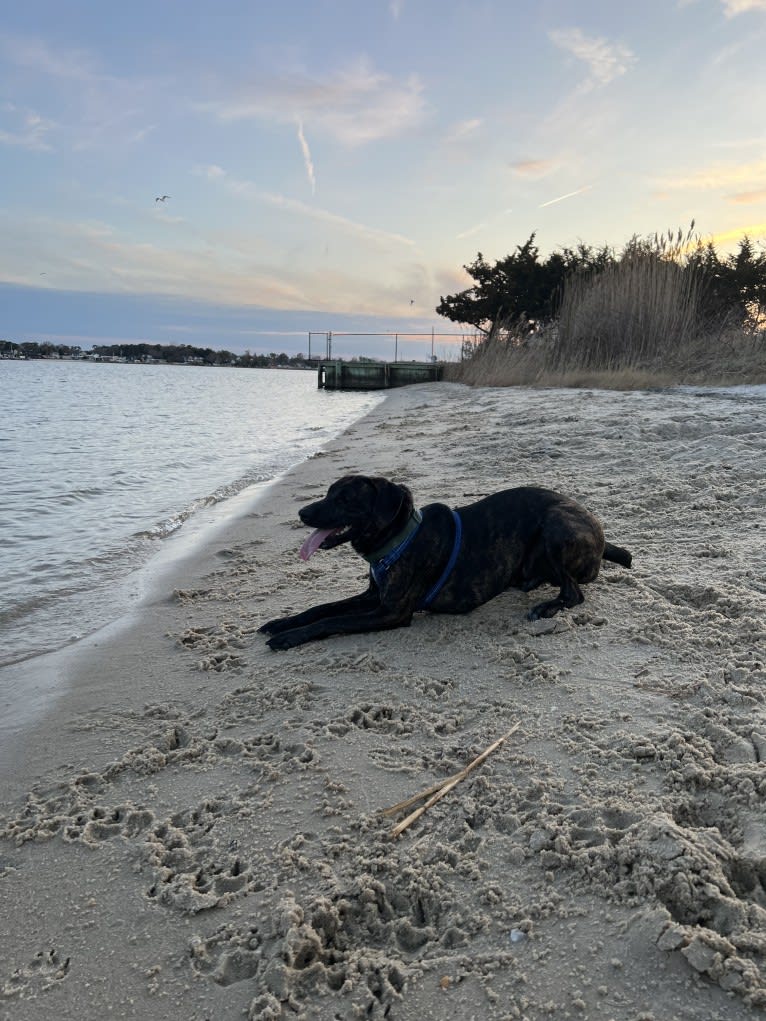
(443,560)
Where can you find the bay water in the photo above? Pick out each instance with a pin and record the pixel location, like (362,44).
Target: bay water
(102,463)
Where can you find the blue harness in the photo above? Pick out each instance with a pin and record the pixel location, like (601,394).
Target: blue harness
(379,567)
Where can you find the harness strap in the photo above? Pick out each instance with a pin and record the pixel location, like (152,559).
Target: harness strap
(436,589)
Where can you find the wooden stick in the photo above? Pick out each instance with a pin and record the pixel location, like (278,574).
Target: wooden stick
(445,787)
(409,802)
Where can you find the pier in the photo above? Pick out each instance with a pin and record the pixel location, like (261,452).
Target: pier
(340,375)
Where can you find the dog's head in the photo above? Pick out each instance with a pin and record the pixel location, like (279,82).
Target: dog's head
(365,511)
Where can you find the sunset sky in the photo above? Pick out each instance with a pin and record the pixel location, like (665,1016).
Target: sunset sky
(331,165)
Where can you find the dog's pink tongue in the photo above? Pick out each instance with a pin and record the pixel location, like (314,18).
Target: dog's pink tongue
(314,541)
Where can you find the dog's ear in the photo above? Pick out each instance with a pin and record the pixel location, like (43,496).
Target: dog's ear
(391,501)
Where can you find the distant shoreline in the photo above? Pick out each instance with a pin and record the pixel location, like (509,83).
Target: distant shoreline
(145,354)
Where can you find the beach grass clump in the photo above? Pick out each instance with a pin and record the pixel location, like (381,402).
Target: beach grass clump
(631,314)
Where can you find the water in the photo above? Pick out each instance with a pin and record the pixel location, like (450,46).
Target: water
(100,464)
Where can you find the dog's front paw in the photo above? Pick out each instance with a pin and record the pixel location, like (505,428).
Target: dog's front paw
(287,640)
(273,627)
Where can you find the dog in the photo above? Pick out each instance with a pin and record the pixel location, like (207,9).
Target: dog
(444,560)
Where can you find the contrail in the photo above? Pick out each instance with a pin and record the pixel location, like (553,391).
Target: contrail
(307,158)
(471,230)
(561,198)
(480,226)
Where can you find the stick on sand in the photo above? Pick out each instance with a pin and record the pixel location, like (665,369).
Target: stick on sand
(438,791)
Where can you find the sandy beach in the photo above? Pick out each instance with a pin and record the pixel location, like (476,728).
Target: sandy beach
(193,830)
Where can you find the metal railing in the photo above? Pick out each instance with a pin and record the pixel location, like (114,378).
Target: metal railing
(404,346)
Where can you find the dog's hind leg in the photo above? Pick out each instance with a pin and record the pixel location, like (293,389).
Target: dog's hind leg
(529,584)
(569,596)
(534,569)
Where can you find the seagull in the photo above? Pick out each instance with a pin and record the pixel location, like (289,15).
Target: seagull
(161,198)
(412,301)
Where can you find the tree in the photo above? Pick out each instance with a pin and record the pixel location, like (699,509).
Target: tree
(733,289)
(748,270)
(519,289)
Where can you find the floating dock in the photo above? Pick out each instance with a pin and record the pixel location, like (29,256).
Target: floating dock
(338,375)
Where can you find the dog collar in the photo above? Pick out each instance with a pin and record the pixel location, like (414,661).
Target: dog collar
(388,554)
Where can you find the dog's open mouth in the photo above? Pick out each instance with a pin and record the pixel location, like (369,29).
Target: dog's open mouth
(324,538)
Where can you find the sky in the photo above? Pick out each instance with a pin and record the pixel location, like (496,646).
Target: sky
(333,165)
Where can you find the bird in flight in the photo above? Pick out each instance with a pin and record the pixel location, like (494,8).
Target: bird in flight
(161,198)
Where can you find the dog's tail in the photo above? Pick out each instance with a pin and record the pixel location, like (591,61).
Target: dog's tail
(617,555)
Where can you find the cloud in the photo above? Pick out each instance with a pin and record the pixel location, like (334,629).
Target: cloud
(396,6)
(212,172)
(100,258)
(142,133)
(720,177)
(30,130)
(249,190)
(532,168)
(94,256)
(753,230)
(35,55)
(307,158)
(164,217)
(739,143)
(748,197)
(605,60)
(355,105)
(462,130)
(732,8)
(102,109)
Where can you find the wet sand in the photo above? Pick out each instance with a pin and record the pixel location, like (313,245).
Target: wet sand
(194,830)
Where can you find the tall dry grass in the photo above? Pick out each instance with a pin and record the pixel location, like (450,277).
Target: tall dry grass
(637,323)
(713,360)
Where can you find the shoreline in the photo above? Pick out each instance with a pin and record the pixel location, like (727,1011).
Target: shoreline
(81,528)
(32,687)
(194,830)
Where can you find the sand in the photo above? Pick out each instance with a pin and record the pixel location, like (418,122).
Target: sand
(193,830)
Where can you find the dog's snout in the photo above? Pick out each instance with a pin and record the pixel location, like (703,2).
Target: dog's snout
(314,514)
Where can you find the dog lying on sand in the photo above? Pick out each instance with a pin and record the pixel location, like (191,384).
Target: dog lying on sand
(444,560)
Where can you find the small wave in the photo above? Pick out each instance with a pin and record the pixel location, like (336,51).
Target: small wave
(79,495)
(167,526)
(129,482)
